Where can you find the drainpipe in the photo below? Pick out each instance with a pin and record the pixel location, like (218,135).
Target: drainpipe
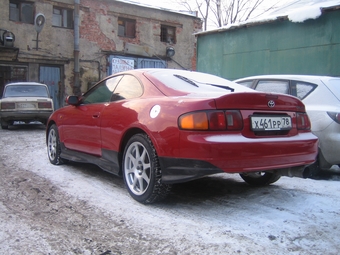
(76,86)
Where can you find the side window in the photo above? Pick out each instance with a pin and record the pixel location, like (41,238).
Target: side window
(129,87)
(168,34)
(126,28)
(62,17)
(246,83)
(21,11)
(273,86)
(102,92)
(304,89)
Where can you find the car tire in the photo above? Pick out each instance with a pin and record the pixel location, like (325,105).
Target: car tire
(4,124)
(260,178)
(141,171)
(53,146)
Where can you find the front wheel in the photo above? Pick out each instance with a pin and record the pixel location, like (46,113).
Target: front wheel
(53,146)
(141,171)
(260,178)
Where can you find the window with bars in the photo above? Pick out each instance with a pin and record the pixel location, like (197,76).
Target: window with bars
(168,34)
(126,27)
(21,11)
(62,17)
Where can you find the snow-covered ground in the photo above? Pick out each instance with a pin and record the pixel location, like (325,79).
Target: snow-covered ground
(79,209)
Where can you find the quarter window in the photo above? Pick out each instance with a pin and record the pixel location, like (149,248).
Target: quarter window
(168,34)
(303,89)
(62,17)
(21,11)
(126,27)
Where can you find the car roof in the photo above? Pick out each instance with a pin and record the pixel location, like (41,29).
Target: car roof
(25,83)
(310,78)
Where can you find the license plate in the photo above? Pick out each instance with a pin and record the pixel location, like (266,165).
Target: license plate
(265,123)
(25,105)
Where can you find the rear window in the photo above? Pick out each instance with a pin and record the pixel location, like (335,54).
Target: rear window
(334,86)
(197,83)
(25,91)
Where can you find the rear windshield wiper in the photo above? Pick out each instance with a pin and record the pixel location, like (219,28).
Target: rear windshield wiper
(186,79)
(221,86)
(192,82)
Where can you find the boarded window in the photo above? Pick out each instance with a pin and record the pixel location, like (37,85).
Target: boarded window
(21,11)
(126,27)
(168,34)
(62,17)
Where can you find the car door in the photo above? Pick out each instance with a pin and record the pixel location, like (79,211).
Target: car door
(121,112)
(81,126)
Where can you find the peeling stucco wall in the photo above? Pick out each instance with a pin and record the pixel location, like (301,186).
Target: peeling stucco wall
(98,30)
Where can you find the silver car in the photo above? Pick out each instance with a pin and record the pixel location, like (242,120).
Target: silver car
(25,101)
(321,96)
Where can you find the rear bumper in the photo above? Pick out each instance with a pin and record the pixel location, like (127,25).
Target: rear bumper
(204,155)
(24,116)
(329,143)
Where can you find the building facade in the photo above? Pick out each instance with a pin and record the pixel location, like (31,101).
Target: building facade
(71,44)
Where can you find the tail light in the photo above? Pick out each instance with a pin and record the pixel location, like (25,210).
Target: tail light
(44,105)
(303,122)
(5,105)
(335,116)
(234,120)
(211,120)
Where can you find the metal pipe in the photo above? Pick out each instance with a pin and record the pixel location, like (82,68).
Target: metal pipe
(76,86)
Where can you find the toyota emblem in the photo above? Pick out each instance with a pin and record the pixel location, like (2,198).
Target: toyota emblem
(271,103)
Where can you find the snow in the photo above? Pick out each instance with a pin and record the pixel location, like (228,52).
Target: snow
(302,14)
(219,214)
(169,6)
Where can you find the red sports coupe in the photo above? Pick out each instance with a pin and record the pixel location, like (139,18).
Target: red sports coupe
(156,127)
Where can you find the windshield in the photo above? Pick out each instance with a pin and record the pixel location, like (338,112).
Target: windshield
(25,91)
(197,83)
(334,86)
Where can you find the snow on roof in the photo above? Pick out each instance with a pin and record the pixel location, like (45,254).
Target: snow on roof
(297,11)
(184,12)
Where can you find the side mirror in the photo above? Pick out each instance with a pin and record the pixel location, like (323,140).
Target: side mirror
(72,100)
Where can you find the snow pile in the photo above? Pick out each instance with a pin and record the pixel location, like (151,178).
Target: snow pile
(302,14)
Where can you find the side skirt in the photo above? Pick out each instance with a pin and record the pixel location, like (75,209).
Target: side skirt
(109,162)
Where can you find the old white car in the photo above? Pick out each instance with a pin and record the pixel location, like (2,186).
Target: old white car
(25,101)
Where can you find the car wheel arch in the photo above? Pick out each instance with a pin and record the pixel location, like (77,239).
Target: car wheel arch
(125,139)
(48,125)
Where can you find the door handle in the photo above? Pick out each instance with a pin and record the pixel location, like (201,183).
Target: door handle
(96,115)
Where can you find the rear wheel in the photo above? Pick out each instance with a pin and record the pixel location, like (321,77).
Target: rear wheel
(53,146)
(141,171)
(260,178)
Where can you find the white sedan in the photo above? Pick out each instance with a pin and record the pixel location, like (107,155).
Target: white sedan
(25,101)
(321,96)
